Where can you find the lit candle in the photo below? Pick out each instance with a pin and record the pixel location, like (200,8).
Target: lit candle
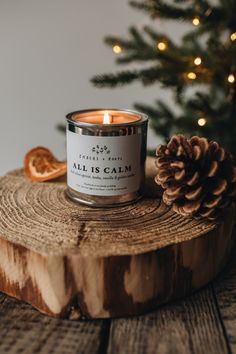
(106,152)
(105,117)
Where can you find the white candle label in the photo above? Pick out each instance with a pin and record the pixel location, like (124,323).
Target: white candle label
(105,166)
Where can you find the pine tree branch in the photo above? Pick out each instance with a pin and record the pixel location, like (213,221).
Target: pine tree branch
(137,56)
(137,37)
(165,109)
(125,44)
(200,103)
(158,37)
(181,1)
(165,10)
(113,80)
(203,6)
(196,32)
(215,100)
(140,5)
(157,115)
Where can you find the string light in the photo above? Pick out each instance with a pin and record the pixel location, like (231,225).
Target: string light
(161,46)
(191,76)
(231,78)
(197,61)
(117,49)
(233,36)
(196,21)
(201,122)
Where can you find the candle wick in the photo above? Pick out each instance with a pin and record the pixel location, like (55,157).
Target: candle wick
(107,118)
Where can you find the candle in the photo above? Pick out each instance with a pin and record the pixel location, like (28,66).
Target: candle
(106,117)
(106,151)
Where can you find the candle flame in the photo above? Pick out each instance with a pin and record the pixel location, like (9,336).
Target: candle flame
(107,119)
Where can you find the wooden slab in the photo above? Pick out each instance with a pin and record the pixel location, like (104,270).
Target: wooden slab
(70,260)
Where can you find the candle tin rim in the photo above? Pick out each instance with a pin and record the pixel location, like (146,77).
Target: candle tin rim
(143,118)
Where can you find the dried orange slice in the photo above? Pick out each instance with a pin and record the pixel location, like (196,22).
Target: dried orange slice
(41,165)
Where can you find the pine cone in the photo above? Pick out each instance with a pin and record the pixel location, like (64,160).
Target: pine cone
(197,175)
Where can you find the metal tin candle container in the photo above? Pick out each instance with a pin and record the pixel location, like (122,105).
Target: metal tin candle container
(106,152)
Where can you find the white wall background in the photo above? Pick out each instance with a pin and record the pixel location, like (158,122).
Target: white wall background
(49,51)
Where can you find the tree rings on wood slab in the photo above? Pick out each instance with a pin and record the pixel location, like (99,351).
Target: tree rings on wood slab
(70,260)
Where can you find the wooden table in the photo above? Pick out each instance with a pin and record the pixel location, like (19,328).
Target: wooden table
(203,323)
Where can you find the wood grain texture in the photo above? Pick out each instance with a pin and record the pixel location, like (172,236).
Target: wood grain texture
(40,217)
(112,286)
(225,294)
(73,261)
(191,326)
(24,330)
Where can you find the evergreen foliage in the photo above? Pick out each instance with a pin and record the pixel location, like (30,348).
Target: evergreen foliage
(213,97)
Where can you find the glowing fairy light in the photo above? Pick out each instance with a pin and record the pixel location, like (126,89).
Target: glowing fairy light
(161,46)
(191,76)
(201,122)
(231,78)
(197,61)
(117,49)
(233,36)
(196,21)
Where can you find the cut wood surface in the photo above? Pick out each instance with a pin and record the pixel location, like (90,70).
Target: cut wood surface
(74,261)
(40,217)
